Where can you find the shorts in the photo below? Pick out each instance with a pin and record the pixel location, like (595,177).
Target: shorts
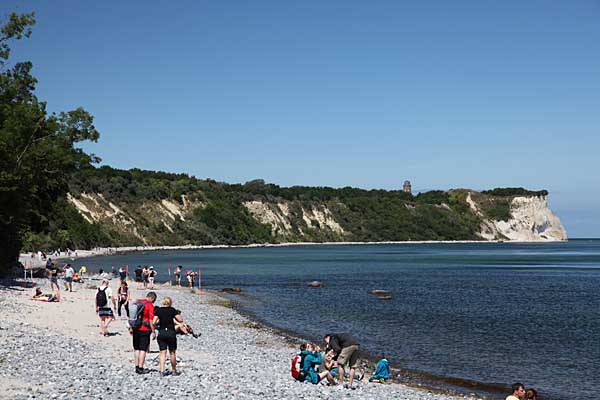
(68,279)
(167,340)
(53,279)
(141,340)
(105,312)
(138,279)
(348,356)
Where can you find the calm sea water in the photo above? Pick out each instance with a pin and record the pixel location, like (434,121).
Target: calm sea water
(472,315)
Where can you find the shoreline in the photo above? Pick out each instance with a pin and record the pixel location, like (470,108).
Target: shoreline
(36,262)
(447,385)
(229,340)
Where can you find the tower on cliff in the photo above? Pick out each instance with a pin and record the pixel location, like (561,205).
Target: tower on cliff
(406,187)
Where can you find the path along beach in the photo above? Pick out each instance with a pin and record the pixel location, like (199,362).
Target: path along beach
(55,351)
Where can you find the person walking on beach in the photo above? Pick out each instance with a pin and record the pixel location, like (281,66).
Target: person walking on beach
(518,392)
(345,348)
(141,334)
(69,272)
(103,308)
(165,318)
(123,295)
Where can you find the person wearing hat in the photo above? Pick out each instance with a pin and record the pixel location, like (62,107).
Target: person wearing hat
(103,306)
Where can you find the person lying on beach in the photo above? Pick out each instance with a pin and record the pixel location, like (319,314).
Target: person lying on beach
(313,357)
(50,298)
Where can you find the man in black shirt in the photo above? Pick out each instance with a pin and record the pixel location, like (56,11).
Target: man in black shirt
(345,348)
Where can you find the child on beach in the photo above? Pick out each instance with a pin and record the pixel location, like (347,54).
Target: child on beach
(382,371)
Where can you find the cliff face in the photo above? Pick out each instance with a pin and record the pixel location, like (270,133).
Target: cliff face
(530,220)
(177,221)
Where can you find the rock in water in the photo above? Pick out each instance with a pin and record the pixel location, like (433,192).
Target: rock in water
(315,284)
(380,292)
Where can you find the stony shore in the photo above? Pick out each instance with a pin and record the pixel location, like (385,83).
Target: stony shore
(55,351)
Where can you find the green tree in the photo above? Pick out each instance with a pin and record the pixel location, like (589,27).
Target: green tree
(37,153)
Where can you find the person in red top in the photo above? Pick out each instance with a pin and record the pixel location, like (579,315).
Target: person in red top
(141,335)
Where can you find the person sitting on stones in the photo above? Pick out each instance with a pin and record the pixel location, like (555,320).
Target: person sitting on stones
(181,328)
(313,357)
(382,371)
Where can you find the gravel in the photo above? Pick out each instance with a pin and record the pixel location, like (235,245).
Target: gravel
(42,358)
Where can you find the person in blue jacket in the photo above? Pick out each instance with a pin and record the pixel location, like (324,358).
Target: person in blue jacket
(312,358)
(382,372)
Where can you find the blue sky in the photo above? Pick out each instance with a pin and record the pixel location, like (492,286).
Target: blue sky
(475,94)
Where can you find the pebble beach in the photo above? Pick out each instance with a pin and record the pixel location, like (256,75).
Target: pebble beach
(55,351)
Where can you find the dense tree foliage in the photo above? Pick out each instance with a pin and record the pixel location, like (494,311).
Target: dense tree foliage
(511,192)
(37,153)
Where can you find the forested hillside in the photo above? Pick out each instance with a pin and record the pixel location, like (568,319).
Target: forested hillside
(111,207)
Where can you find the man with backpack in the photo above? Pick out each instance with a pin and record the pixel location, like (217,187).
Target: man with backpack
(103,308)
(140,327)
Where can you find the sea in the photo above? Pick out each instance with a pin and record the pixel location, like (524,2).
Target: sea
(465,317)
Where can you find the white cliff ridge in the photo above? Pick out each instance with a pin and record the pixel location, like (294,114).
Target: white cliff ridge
(531,220)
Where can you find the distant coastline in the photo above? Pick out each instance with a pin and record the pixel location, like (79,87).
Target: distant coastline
(36,262)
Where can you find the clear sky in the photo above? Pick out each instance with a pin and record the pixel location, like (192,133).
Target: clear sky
(474,94)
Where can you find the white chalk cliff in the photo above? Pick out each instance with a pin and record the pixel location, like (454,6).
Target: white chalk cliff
(531,221)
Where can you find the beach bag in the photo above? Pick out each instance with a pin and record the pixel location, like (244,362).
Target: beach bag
(136,312)
(101,299)
(297,363)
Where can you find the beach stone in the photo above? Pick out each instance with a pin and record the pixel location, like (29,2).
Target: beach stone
(231,290)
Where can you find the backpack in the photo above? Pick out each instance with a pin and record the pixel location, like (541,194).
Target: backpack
(136,312)
(297,363)
(101,299)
